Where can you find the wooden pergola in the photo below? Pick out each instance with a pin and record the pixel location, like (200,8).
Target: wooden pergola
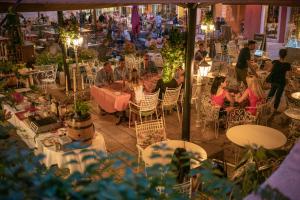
(60,5)
(191,5)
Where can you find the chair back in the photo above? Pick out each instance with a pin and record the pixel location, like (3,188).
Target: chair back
(171,96)
(51,74)
(238,117)
(184,188)
(150,132)
(210,111)
(149,102)
(3,52)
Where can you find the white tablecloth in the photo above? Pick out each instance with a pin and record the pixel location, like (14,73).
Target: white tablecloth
(53,157)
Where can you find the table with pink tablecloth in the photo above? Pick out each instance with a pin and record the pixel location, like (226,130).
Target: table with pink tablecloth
(110,100)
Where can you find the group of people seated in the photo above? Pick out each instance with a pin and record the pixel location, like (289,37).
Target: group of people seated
(254,94)
(131,77)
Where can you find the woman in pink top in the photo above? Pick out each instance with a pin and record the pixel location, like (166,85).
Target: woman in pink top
(254,93)
(219,93)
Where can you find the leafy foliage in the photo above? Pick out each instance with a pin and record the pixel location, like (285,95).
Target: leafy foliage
(87,54)
(255,167)
(173,54)
(209,18)
(82,109)
(46,58)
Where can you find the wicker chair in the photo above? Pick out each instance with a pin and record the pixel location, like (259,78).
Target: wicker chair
(182,188)
(194,98)
(148,133)
(90,75)
(238,117)
(210,113)
(264,113)
(170,101)
(49,77)
(147,106)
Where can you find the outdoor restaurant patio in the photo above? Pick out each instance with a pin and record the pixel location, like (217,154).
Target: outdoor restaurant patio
(149,99)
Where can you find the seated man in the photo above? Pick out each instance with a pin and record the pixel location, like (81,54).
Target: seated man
(174,83)
(105,75)
(148,66)
(121,72)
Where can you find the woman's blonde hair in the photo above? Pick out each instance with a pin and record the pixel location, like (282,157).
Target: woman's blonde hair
(255,86)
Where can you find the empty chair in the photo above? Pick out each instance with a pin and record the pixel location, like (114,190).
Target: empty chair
(148,133)
(146,107)
(49,78)
(170,101)
(238,117)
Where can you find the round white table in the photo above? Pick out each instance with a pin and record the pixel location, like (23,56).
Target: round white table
(166,149)
(296,95)
(256,135)
(294,114)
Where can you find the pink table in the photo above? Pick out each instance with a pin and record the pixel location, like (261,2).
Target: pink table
(110,100)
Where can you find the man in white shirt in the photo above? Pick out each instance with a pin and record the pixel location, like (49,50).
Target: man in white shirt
(126,35)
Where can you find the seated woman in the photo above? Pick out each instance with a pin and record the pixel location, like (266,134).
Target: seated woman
(219,94)
(254,93)
(135,87)
(181,165)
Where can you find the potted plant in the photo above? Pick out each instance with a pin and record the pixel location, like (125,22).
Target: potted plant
(80,125)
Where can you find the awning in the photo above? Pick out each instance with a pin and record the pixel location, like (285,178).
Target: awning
(54,5)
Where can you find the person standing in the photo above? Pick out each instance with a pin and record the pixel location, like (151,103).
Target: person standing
(158,24)
(244,62)
(277,77)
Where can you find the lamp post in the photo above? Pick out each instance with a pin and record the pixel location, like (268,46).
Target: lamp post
(75,43)
(203,70)
(207,28)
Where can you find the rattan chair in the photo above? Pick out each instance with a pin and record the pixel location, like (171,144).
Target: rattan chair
(194,98)
(49,78)
(170,101)
(147,107)
(210,113)
(148,133)
(240,116)
(182,188)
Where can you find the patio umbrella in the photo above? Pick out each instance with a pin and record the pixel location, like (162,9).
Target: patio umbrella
(135,21)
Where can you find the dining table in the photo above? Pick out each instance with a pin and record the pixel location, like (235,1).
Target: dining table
(256,136)
(110,98)
(161,152)
(294,115)
(52,155)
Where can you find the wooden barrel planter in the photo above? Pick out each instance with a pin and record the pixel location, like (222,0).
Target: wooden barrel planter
(81,130)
